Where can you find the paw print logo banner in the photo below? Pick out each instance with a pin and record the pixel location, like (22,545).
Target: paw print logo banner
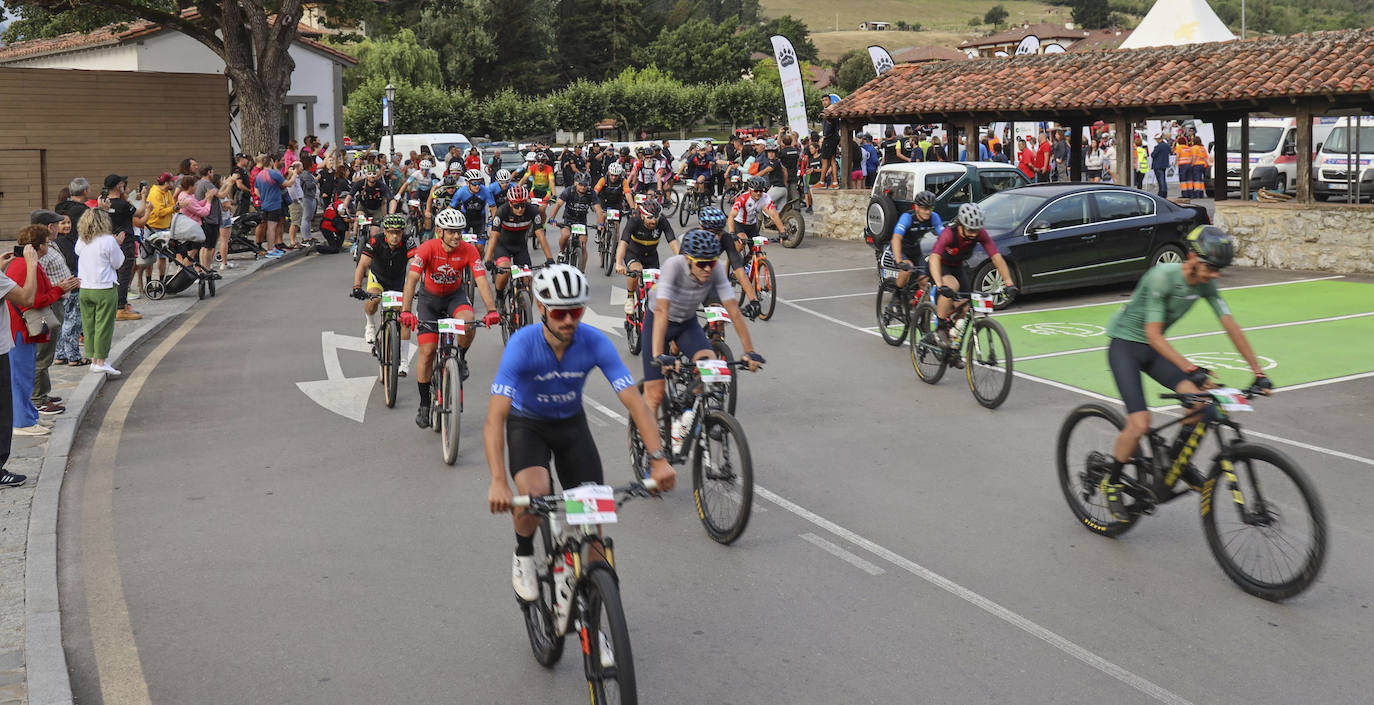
(882,61)
(792,92)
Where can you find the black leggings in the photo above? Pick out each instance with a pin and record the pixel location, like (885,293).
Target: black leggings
(1128,359)
(530,443)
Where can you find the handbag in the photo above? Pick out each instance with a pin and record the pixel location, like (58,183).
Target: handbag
(186,230)
(39,321)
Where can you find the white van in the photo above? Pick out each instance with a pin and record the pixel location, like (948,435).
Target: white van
(1273,151)
(436,142)
(1344,167)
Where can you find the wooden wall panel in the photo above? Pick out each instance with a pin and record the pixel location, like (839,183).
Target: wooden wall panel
(93,123)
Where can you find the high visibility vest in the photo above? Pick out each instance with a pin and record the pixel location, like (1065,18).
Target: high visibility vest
(1200,157)
(1142,159)
(1184,154)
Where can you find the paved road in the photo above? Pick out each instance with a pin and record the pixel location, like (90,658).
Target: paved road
(226,540)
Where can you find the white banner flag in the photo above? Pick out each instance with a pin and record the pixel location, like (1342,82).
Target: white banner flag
(882,61)
(793,93)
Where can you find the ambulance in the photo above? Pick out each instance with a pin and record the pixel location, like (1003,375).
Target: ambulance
(1344,166)
(1273,152)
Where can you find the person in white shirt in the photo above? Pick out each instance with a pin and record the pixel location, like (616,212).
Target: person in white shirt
(98,258)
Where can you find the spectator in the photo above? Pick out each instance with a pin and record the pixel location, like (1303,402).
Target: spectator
(830,145)
(196,209)
(74,207)
(269,184)
(310,192)
(936,153)
(23,357)
(188,167)
(289,156)
(571,162)
(1159,164)
(1092,162)
(1025,157)
(454,155)
(206,191)
(892,147)
(472,161)
(223,187)
(69,342)
(813,169)
(55,267)
(240,189)
(870,161)
(161,206)
(789,157)
(99,255)
(1059,157)
(122,215)
(1142,159)
(18,296)
(1108,160)
(1042,157)
(493,165)
(295,209)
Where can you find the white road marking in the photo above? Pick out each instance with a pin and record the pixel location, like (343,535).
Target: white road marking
(345,396)
(1139,683)
(1224,288)
(825,271)
(1323,382)
(832,319)
(836,296)
(842,554)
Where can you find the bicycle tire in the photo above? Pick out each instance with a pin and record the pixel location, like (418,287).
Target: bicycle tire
(731,389)
(601,595)
(684,214)
(765,287)
(211,286)
(200,289)
(725,526)
(520,309)
(639,459)
(469,285)
(1078,481)
(1268,521)
(391,360)
(794,228)
(893,317)
(451,413)
(546,644)
(671,201)
(607,252)
(634,325)
(984,335)
(927,355)
(503,305)
(436,381)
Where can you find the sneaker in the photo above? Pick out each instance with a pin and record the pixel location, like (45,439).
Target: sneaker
(523,579)
(106,370)
(1111,491)
(51,409)
(405,367)
(134,297)
(34,430)
(463,370)
(55,400)
(127,316)
(629,305)
(369,333)
(10,479)
(422,418)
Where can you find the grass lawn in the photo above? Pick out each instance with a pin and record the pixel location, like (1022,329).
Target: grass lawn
(833,45)
(930,14)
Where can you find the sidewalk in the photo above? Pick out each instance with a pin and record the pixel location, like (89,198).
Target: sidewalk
(33,666)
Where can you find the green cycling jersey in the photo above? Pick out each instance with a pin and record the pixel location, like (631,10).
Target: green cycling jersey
(1162,296)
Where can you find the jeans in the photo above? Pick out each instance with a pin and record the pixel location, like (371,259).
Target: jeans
(1162,182)
(43,357)
(307,215)
(21,383)
(126,270)
(68,347)
(6,411)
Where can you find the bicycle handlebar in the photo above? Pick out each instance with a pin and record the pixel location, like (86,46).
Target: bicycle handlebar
(1250,392)
(551,502)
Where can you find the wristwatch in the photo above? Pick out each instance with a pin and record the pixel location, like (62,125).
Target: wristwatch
(657,455)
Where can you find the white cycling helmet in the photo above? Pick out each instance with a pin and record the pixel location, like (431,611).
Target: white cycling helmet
(503,175)
(529,156)
(455,168)
(473,175)
(450,219)
(426,164)
(970,216)
(616,169)
(561,286)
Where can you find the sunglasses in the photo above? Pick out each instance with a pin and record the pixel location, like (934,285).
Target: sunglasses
(563,314)
(707,264)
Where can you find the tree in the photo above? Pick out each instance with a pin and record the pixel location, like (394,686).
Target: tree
(745,101)
(427,108)
(580,105)
(253,44)
(1090,14)
(796,32)
(854,69)
(700,51)
(400,58)
(487,44)
(996,15)
(596,38)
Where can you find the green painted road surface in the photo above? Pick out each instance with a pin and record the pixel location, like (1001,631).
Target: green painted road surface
(1298,347)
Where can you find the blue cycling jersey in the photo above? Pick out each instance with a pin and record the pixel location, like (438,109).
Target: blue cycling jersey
(464,193)
(906,220)
(541,386)
(495,195)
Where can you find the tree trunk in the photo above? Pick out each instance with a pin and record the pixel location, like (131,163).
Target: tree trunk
(257,60)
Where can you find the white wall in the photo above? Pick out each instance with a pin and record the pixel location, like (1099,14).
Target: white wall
(114,58)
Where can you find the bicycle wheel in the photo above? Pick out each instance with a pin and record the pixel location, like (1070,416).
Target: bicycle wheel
(795,228)
(1271,538)
(539,617)
(671,200)
(503,305)
(607,252)
(633,326)
(685,214)
(436,386)
(722,477)
(391,360)
(451,413)
(639,457)
(211,286)
(606,655)
(766,287)
(1085,441)
(469,285)
(927,354)
(988,364)
(892,313)
(520,309)
(731,392)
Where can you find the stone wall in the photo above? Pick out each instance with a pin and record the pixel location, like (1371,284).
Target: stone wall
(1317,236)
(837,214)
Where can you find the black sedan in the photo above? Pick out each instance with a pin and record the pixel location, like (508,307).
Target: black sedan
(1057,236)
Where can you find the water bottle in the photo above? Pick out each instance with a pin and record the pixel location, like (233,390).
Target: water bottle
(680,426)
(959,328)
(562,587)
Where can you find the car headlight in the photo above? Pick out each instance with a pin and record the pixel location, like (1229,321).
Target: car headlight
(1266,160)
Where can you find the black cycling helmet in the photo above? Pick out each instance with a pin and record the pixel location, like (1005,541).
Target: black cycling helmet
(395,221)
(582,179)
(758,183)
(650,209)
(924,199)
(624,151)
(712,218)
(1212,245)
(699,244)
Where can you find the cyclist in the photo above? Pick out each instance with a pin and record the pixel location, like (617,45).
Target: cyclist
(1163,296)
(713,221)
(498,188)
(684,284)
(434,290)
(699,165)
(372,195)
(535,413)
(539,176)
(952,249)
(420,182)
(384,261)
(509,229)
(911,227)
(442,193)
(744,214)
(614,189)
(646,176)
(575,202)
(638,246)
(476,203)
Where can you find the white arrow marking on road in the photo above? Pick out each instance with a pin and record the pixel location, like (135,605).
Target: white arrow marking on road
(345,396)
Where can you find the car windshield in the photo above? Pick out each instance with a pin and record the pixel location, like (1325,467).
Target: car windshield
(1005,210)
(1262,139)
(1342,140)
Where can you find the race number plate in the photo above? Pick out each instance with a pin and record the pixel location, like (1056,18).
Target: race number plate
(519,272)
(982,303)
(760,241)
(414,203)
(717,314)
(612,214)
(469,237)
(639,198)
(1231,399)
(589,505)
(364,220)
(734,179)
(452,326)
(714,371)
(650,275)
(391,299)
(578,229)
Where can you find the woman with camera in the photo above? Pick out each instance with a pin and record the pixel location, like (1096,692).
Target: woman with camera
(30,325)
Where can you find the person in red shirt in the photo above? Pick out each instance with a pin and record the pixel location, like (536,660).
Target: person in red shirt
(1042,158)
(473,160)
(1025,157)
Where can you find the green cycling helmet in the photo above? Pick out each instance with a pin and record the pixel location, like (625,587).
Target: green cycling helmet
(1212,245)
(395,221)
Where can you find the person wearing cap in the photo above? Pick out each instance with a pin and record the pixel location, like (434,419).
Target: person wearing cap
(1159,163)
(830,145)
(52,263)
(122,215)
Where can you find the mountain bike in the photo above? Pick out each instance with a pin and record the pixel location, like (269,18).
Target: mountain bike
(713,320)
(579,590)
(759,269)
(669,198)
(692,203)
(696,428)
(446,385)
(733,188)
(386,345)
(634,321)
(986,351)
(606,240)
(1270,539)
(794,225)
(571,253)
(896,304)
(515,302)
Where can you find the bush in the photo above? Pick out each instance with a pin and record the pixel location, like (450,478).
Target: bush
(418,109)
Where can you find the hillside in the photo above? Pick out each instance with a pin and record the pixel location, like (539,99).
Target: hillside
(822,15)
(833,45)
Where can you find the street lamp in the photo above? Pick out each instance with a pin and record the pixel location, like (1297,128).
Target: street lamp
(390,118)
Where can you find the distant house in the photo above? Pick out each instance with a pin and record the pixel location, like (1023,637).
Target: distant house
(821,77)
(875,26)
(922,55)
(1065,35)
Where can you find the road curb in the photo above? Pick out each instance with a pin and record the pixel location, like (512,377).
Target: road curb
(48,680)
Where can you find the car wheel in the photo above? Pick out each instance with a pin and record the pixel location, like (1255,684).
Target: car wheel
(1167,254)
(988,279)
(1283,183)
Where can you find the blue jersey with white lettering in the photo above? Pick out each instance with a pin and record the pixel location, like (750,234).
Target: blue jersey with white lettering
(541,386)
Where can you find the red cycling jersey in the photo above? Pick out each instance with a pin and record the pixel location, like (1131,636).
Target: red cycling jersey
(954,250)
(749,209)
(442,272)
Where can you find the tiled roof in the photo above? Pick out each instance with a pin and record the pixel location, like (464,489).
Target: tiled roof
(115,34)
(1100,39)
(822,77)
(916,55)
(1045,31)
(1317,64)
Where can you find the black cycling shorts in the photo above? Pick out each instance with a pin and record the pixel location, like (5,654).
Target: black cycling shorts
(688,334)
(730,243)
(531,443)
(645,256)
(960,274)
(1128,359)
(430,308)
(517,255)
(829,146)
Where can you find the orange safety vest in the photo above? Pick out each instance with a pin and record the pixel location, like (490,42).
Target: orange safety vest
(1200,156)
(1184,153)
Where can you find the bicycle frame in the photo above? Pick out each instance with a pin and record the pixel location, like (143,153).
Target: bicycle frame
(1166,471)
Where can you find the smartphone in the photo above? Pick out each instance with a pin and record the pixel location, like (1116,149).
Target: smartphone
(18,250)
(142,185)
(105,193)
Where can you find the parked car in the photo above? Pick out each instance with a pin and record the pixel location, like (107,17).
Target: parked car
(1058,236)
(953,183)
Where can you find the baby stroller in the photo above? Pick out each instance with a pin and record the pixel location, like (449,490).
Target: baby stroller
(241,234)
(190,272)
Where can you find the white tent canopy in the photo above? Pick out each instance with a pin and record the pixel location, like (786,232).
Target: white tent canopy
(1177,22)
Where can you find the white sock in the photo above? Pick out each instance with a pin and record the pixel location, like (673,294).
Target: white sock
(373,318)
(407,350)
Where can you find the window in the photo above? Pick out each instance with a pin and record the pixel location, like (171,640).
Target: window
(962,193)
(1113,205)
(901,184)
(1064,213)
(1290,144)
(938,182)
(994,181)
